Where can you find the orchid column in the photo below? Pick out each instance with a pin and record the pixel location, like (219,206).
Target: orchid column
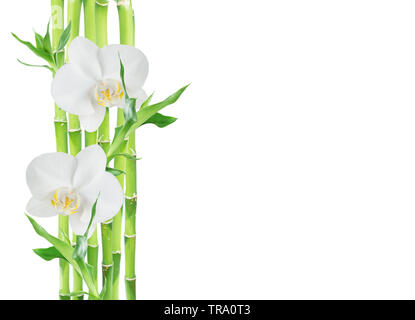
(61,132)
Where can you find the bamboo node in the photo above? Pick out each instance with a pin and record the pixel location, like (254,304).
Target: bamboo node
(116,252)
(107,266)
(64,294)
(130,279)
(74,129)
(134,197)
(130,235)
(92,245)
(60,121)
(103,4)
(123,3)
(107,222)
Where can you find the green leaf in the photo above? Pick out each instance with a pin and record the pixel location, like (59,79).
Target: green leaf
(39,41)
(130,115)
(127,156)
(81,247)
(86,275)
(122,73)
(65,237)
(64,38)
(160,120)
(129,107)
(64,248)
(36,65)
(93,212)
(91,270)
(67,251)
(146,113)
(39,52)
(119,140)
(48,253)
(148,100)
(47,45)
(115,172)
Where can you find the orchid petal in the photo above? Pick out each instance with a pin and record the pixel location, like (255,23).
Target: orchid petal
(135,64)
(141,97)
(91,163)
(111,196)
(72,90)
(48,172)
(40,208)
(84,54)
(78,226)
(92,122)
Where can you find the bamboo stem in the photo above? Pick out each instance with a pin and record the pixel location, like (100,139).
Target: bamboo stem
(101,14)
(131,207)
(130,219)
(119,163)
(127,33)
(74,129)
(61,134)
(126,37)
(91,137)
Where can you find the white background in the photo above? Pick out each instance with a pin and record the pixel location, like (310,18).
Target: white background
(290,172)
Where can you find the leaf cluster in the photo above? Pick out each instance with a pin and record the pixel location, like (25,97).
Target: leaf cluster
(43,49)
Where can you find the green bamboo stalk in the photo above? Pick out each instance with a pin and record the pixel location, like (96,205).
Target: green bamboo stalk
(61,134)
(126,37)
(130,218)
(127,34)
(101,15)
(74,129)
(91,137)
(119,163)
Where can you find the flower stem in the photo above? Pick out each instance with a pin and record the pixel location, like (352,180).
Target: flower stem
(126,37)
(74,129)
(61,134)
(91,137)
(101,14)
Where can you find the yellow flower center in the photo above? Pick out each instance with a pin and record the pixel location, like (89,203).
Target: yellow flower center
(65,201)
(109,93)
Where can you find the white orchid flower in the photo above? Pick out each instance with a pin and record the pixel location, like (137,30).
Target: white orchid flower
(67,185)
(90,82)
